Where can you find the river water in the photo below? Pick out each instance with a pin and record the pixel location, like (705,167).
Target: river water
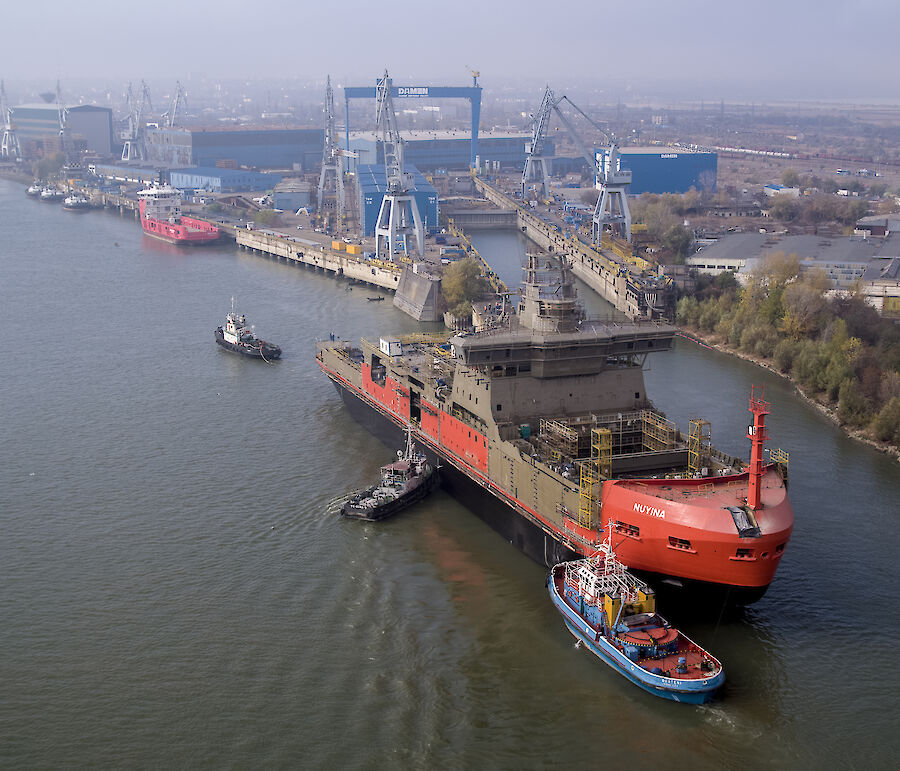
(177,590)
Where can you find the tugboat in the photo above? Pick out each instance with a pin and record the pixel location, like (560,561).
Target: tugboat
(613,614)
(34,189)
(236,336)
(76,202)
(52,195)
(403,482)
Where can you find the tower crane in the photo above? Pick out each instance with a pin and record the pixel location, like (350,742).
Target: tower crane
(10,145)
(399,216)
(331,178)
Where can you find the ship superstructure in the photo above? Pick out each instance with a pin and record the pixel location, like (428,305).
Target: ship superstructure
(545,430)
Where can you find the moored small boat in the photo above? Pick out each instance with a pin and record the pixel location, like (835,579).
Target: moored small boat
(403,482)
(76,202)
(613,614)
(34,190)
(236,336)
(52,195)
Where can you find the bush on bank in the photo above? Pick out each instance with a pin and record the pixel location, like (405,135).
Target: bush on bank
(838,349)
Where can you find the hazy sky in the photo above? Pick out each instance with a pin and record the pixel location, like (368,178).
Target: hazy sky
(711,48)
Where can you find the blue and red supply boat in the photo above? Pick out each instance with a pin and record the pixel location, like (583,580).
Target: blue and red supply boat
(613,614)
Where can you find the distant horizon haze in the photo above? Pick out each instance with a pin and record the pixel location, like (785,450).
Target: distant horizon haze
(699,49)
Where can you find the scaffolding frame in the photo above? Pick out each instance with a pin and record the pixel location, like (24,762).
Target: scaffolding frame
(699,445)
(659,433)
(560,437)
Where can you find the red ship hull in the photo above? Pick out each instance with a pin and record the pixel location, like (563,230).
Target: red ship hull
(676,529)
(184,230)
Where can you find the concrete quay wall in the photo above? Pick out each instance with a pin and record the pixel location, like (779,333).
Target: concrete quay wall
(602,274)
(284,248)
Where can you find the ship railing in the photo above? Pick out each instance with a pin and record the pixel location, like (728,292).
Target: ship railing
(706,490)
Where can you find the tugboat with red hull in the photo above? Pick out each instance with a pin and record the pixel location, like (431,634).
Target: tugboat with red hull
(543,428)
(161,218)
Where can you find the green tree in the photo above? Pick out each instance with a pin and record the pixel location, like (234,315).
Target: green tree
(783,208)
(790,178)
(886,425)
(461,283)
(678,238)
(48,166)
(852,406)
(213,208)
(266,217)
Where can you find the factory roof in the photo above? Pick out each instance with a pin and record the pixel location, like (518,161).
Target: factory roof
(234,129)
(660,150)
(419,136)
(744,246)
(883,269)
(53,107)
(215,171)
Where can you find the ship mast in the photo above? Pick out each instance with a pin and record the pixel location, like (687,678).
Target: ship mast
(757,434)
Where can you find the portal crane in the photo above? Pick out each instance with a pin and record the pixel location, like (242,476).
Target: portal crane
(65,139)
(534,151)
(331,178)
(134,149)
(180,97)
(10,145)
(399,215)
(610,179)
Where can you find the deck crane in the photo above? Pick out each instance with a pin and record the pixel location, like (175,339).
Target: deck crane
(331,178)
(9,147)
(612,205)
(399,216)
(133,149)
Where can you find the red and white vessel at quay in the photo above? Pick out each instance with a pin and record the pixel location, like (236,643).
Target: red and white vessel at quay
(543,428)
(161,218)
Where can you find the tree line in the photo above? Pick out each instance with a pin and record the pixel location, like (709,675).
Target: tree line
(838,348)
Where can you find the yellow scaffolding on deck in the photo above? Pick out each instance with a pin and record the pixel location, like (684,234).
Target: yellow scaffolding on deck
(658,432)
(699,445)
(592,473)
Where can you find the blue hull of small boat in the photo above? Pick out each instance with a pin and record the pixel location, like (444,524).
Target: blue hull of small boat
(685,691)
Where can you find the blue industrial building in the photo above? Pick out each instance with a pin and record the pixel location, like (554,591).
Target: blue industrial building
(431,150)
(215,180)
(372,185)
(296,148)
(667,170)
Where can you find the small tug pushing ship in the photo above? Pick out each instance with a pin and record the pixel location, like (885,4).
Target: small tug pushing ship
(544,429)
(407,480)
(237,337)
(613,614)
(161,218)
